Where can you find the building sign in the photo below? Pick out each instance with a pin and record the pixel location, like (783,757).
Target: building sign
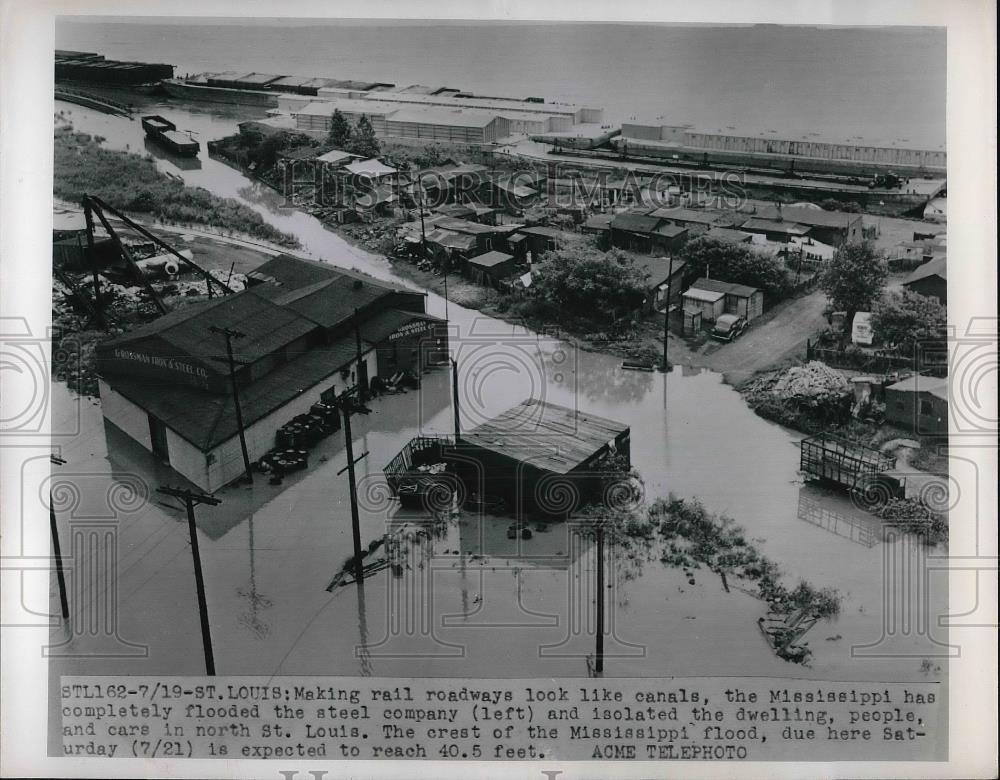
(167,363)
(411,328)
(861,332)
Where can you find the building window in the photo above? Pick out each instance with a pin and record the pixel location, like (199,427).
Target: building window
(900,406)
(926,408)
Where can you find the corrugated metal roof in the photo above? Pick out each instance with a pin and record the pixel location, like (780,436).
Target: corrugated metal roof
(267,327)
(209,419)
(550,437)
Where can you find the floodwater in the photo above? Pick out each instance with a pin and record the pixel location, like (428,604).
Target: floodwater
(470,602)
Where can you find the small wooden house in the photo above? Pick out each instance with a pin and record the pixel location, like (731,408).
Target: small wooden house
(489,268)
(919,404)
(739,299)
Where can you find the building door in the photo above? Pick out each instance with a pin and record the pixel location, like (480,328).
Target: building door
(158,437)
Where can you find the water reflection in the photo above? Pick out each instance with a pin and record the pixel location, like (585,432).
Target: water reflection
(182,163)
(603,380)
(251,620)
(815,507)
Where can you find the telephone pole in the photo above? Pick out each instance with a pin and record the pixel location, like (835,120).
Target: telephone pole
(191,500)
(599,650)
(56,549)
(347,405)
(231,334)
(454,398)
(666,312)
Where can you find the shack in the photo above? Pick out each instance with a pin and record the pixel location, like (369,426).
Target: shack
(739,299)
(919,404)
(489,268)
(661,274)
(931,280)
(536,457)
(710,304)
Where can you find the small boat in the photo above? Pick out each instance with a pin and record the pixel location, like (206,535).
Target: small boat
(165,133)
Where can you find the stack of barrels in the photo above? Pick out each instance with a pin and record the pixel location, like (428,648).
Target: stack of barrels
(294,439)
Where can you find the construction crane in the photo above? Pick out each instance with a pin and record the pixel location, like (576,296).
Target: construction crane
(93,205)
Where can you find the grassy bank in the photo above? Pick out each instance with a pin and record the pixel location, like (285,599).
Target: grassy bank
(133,184)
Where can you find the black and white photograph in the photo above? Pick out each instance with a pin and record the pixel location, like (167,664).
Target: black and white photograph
(577,395)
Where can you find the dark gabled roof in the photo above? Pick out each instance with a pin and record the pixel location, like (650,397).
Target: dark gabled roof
(695,216)
(670,231)
(207,419)
(657,269)
(728,235)
(804,215)
(635,223)
(936,267)
(449,239)
(385,323)
(729,288)
(266,326)
(550,437)
(324,294)
(541,230)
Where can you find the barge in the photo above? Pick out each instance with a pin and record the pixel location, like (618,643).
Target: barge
(165,133)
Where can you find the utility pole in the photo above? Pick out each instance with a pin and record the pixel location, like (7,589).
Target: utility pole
(599,651)
(347,407)
(454,398)
(445,265)
(91,251)
(231,334)
(190,500)
(362,374)
(56,549)
(666,312)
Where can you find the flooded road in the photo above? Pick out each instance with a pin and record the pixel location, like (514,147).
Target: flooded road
(470,602)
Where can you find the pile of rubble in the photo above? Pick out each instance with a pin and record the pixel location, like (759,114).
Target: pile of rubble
(814,381)
(809,398)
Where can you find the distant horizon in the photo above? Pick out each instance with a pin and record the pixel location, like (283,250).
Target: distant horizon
(178,21)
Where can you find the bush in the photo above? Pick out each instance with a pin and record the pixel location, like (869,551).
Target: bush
(132,183)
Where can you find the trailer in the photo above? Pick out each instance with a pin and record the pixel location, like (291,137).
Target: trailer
(855,467)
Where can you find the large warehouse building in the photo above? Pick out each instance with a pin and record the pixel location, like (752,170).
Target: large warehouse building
(656,137)
(166,384)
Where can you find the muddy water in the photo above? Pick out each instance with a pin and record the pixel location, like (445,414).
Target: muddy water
(470,601)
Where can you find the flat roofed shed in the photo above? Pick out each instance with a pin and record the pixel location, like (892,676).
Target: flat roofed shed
(548,436)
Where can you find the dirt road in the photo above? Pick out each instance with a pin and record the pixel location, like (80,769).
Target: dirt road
(764,344)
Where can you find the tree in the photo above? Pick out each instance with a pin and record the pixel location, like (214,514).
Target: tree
(737,263)
(363,141)
(853,280)
(905,319)
(340,130)
(582,281)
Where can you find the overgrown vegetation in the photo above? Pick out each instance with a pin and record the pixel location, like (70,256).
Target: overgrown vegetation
(903,320)
(854,279)
(739,264)
(133,184)
(579,284)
